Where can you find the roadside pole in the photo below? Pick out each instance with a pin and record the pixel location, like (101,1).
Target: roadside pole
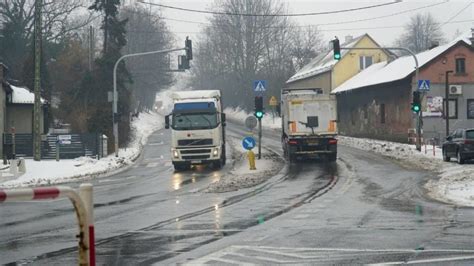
(447,101)
(115,95)
(259,139)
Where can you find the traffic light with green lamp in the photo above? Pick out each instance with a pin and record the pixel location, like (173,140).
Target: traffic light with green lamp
(416,104)
(336,49)
(259,107)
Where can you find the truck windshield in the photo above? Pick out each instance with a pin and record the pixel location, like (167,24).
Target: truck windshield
(194,121)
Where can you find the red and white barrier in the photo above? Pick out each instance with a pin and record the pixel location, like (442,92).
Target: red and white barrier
(83,205)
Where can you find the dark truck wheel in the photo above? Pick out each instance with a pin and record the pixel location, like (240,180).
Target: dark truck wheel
(446,158)
(332,157)
(460,158)
(216,165)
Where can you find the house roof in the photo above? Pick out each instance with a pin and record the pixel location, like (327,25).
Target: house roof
(398,69)
(21,95)
(323,62)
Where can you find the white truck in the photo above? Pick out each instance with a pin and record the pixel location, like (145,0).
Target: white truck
(309,126)
(197,126)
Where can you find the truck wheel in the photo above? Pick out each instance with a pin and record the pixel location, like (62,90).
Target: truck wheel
(217,165)
(224,158)
(290,157)
(460,158)
(446,158)
(332,157)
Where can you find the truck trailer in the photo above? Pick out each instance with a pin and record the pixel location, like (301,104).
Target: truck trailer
(197,125)
(309,127)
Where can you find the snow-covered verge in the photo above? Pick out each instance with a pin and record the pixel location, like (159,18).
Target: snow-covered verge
(240,176)
(48,172)
(456,182)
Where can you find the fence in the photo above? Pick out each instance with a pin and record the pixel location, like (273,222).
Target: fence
(70,145)
(83,205)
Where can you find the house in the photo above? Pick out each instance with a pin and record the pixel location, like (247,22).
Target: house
(16,106)
(327,73)
(376,103)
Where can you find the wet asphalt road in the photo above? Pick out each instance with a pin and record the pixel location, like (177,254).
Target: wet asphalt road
(316,212)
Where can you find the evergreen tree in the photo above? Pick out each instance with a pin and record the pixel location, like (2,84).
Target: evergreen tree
(114,40)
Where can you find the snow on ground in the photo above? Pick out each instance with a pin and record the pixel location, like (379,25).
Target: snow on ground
(240,176)
(48,172)
(456,183)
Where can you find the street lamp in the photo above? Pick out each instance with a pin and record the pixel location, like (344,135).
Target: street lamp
(446,112)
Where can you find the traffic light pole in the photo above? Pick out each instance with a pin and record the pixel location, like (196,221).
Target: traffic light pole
(259,138)
(446,113)
(115,100)
(419,121)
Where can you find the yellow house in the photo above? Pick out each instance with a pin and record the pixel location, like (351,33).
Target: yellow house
(326,73)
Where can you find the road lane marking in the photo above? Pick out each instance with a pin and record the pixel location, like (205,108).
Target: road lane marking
(156,143)
(152,165)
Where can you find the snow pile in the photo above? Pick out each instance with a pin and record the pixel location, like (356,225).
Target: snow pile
(48,172)
(239,115)
(456,183)
(241,176)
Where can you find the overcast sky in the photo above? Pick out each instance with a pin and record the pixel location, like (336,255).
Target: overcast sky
(453,11)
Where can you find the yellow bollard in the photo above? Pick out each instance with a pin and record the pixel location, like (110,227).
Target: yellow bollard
(251,157)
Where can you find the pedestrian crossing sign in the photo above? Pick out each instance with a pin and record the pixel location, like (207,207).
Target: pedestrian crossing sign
(259,85)
(424,85)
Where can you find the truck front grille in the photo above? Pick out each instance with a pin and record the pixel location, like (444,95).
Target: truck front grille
(195,157)
(195,151)
(194,142)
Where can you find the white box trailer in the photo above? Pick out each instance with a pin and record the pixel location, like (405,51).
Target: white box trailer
(197,125)
(309,127)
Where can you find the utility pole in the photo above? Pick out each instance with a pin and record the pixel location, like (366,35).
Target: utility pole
(37,84)
(446,112)
(91,47)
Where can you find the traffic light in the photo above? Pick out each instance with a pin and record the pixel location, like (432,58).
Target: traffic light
(189,49)
(337,49)
(416,104)
(259,107)
(183,62)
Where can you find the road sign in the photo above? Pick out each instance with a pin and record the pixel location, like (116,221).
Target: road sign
(259,85)
(424,85)
(273,101)
(249,143)
(251,122)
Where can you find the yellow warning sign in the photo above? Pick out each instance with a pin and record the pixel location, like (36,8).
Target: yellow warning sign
(273,101)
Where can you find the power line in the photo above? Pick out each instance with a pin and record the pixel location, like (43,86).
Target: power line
(271,15)
(457,14)
(323,30)
(331,23)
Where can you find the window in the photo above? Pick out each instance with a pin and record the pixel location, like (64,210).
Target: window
(382,113)
(470,134)
(453,108)
(458,134)
(470,108)
(365,62)
(460,65)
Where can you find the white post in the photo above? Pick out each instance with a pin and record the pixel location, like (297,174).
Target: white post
(86,194)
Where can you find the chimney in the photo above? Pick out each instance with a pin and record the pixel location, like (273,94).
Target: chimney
(472,37)
(348,38)
(434,44)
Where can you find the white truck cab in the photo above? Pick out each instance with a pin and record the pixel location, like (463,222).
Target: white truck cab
(197,129)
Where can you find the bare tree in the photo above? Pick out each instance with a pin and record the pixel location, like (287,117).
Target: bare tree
(307,44)
(146,31)
(234,50)
(421,33)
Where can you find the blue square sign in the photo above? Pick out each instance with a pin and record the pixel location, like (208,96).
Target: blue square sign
(424,85)
(259,85)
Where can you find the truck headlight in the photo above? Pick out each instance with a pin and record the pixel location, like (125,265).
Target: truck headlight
(175,154)
(215,152)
